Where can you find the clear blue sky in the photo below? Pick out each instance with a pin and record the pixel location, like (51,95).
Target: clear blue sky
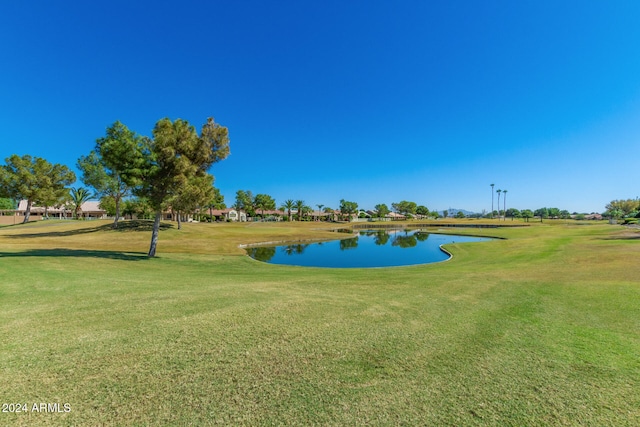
(370,101)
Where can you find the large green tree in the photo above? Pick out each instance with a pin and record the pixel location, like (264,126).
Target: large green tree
(175,157)
(423,211)
(542,213)
(264,202)
(513,213)
(172,160)
(288,205)
(299,205)
(114,167)
(623,207)
(196,192)
(381,210)
(215,202)
(405,208)
(347,208)
(58,197)
(7,203)
(244,201)
(78,197)
(33,179)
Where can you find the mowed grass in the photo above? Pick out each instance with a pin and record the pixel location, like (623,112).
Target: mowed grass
(542,328)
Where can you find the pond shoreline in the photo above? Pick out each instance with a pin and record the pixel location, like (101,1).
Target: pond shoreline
(373,225)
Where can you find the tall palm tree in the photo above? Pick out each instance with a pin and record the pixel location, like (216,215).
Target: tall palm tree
(504,192)
(78,197)
(288,205)
(492,200)
(498,191)
(300,208)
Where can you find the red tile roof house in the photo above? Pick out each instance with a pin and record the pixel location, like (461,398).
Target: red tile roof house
(228,214)
(90,209)
(269,215)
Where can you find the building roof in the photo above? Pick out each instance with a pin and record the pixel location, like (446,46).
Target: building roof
(90,206)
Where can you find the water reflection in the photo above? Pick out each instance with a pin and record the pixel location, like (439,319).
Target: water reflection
(380,237)
(346,244)
(262,253)
(368,248)
(296,249)
(406,241)
(422,236)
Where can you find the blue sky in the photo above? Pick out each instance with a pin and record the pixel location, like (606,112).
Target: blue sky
(370,101)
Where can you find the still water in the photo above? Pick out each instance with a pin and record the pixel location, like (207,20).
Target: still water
(370,248)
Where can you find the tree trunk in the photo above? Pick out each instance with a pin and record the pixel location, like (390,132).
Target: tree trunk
(27,213)
(115,221)
(154,234)
(178,217)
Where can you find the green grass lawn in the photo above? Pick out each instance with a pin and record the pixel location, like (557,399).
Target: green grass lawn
(542,328)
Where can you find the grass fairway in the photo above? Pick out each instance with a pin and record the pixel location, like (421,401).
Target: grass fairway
(542,328)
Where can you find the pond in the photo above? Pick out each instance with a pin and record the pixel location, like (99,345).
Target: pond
(368,248)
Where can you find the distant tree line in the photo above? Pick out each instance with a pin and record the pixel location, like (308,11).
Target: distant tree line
(134,175)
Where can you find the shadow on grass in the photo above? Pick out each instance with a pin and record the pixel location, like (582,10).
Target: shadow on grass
(77,253)
(635,236)
(631,233)
(123,226)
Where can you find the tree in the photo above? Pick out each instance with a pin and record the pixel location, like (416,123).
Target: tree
(526,214)
(78,197)
(460,214)
(382,210)
(56,197)
(139,206)
(504,201)
(176,157)
(554,213)
(112,169)
(244,201)
(7,204)
(264,202)
(492,185)
(194,193)
(331,212)
(513,213)
(216,202)
(498,191)
(300,208)
(33,179)
(288,205)
(624,207)
(405,208)
(542,213)
(348,208)
(108,205)
(422,211)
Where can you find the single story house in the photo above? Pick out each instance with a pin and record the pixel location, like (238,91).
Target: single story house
(229,214)
(90,209)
